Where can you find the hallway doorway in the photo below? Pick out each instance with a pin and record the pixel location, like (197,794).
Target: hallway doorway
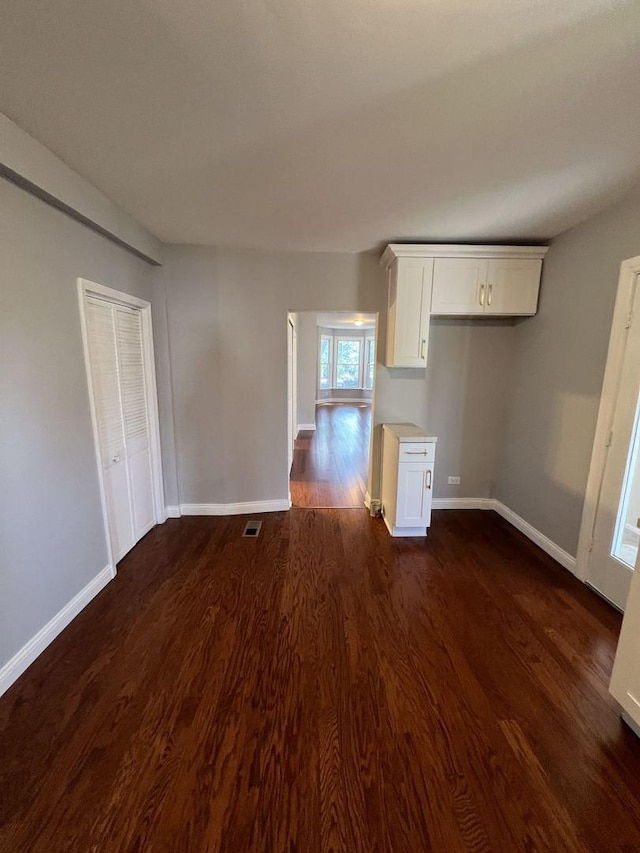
(335,378)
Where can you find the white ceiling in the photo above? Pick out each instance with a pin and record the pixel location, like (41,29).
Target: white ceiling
(334,125)
(346,320)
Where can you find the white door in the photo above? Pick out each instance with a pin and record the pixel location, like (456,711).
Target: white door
(625,678)
(459,286)
(413,508)
(616,530)
(512,286)
(116,355)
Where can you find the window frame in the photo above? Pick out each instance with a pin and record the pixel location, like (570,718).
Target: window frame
(336,341)
(369,341)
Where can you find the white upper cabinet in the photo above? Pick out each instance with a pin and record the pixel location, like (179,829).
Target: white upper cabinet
(408,317)
(464,281)
(459,286)
(512,286)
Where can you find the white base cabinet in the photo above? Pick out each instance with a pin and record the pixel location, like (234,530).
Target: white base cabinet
(408,457)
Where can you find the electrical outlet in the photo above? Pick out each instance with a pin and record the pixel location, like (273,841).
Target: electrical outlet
(453,481)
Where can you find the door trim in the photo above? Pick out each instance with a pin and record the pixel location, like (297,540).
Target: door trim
(622,315)
(88,288)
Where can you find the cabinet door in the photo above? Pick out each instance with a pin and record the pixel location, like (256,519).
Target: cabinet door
(625,679)
(408,319)
(512,286)
(459,286)
(415,480)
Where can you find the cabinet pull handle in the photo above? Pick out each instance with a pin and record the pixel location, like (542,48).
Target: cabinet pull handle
(416,452)
(490,293)
(428,486)
(422,346)
(482,294)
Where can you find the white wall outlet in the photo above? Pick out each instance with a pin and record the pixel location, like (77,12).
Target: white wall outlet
(453,481)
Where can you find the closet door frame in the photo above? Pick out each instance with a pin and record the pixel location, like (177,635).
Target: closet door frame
(86,289)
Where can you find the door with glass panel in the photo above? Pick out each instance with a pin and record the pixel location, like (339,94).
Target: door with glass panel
(616,532)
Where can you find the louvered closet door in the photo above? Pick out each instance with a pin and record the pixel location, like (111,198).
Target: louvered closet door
(133,393)
(105,375)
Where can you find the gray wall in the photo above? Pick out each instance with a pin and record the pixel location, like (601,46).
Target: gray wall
(558,370)
(307,342)
(227,326)
(52,540)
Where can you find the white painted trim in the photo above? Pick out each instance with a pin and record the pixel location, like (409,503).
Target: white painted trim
(91,288)
(244,508)
(367,499)
(172,512)
(629,270)
(559,554)
(36,169)
(306,427)
(14,668)
(368,400)
(447,250)
(463,503)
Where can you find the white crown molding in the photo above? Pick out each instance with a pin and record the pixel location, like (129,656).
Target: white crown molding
(243,508)
(14,668)
(448,250)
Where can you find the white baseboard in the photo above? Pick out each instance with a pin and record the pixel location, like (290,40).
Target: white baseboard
(14,668)
(367,500)
(235,509)
(307,427)
(463,503)
(559,554)
(344,400)
(172,512)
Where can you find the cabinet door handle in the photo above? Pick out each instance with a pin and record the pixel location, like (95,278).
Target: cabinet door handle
(422,346)
(416,452)
(489,295)
(428,478)
(482,294)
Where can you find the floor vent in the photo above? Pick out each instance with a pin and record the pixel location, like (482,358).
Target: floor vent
(252,528)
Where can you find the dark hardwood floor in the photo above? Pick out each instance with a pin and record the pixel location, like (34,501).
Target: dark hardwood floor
(325,688)
(330,466)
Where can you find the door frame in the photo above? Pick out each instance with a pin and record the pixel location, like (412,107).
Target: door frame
(622,322)
(376,337)
(88,288)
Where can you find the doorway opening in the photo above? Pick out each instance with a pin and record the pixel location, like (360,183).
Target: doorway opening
(332,368)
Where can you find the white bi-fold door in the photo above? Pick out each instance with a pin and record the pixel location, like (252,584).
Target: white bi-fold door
(121,407)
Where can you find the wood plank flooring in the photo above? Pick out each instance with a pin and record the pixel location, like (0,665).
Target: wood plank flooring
(325,688)
(330,465)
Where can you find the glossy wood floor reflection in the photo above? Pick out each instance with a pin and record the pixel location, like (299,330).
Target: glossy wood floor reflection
(330,465)
(325,688)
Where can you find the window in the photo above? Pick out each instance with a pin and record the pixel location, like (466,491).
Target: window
(324,361)
(370,362)
(348,362)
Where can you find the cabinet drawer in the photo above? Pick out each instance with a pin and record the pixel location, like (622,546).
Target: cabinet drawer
(417,452)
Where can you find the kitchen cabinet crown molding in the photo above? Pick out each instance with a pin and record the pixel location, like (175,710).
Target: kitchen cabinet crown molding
(454,250)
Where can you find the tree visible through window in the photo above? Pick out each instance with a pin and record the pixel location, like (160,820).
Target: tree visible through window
(348,355)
